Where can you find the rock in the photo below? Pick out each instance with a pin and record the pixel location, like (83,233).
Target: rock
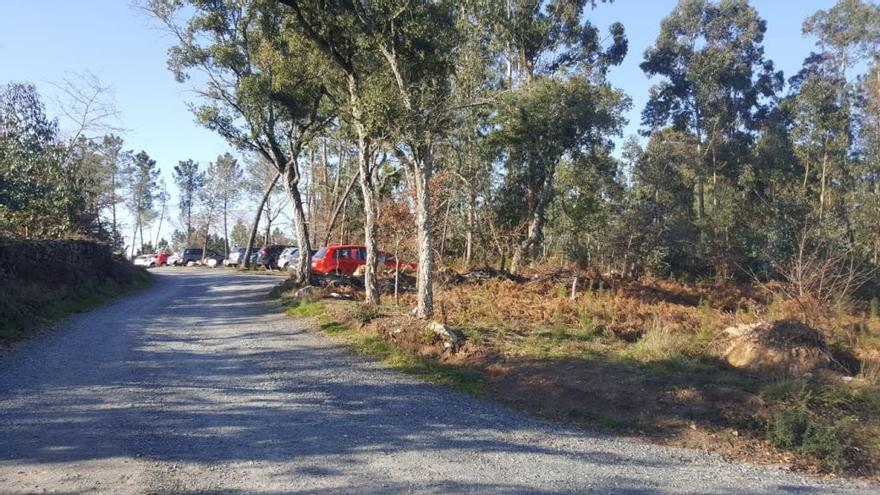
(309,293)
(451,338)
(780,348)
(211,262)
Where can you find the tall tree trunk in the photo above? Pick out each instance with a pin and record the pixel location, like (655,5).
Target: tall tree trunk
(340,206)
(291,185)
(159,229)
(115,200)
(207,233)
(371,284)
(134,236)
(822,185)
(444,230)
(469,235)
(424,276)
(256,225)
(225,226)
(189,229)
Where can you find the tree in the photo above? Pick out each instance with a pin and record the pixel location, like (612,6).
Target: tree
(141,183)
(263,89)
(114,159)
(538,126)
(33,200)
(210,198)
(239,235)
(190,181)
(715,83)
(229,176)
(358,76)
(417,52)
(550,52)
(162,196)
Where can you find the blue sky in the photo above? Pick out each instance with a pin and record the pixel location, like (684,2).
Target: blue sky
(44,41)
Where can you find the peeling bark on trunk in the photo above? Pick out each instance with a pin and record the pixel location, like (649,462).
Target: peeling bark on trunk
(291,186)
(424,279)
(469,236)
(371,285)
(822,190)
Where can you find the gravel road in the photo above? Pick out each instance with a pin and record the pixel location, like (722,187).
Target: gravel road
(200,385)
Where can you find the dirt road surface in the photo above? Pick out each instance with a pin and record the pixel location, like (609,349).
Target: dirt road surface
(201,385)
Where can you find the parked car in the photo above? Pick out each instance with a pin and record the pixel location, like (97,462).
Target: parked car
(175,259)
(161,258)
(268,255)
(234,256)
(345,260)
(145,260)
(193,256)
(289,256)
(151,260)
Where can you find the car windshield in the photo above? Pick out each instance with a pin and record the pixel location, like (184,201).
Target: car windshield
(320,254)
(193,251)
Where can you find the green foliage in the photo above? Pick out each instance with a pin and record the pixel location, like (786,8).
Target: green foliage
(365,312)
(799,430)
(84,275)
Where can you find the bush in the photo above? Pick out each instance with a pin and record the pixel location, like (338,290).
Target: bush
(802,431)
(365,313)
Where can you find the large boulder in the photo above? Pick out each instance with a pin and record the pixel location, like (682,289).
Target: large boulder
(451,339)
(779,348)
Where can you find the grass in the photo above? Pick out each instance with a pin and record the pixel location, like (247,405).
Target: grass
(391,355)
(64,304)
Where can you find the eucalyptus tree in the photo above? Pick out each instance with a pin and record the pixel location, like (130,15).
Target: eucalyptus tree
(396,61)
(715,83)
(847,39)
(262,86)
(867,195)
(552,54)
(341,32)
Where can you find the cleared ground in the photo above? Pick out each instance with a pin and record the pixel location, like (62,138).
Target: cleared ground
(200,385)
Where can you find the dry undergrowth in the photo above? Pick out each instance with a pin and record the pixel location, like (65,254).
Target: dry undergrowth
(639,357)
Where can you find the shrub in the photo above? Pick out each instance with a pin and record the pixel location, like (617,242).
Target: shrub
(365,313)
(786,429)
(801,431)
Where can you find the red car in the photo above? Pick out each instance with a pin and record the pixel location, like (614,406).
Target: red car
(344,260)
(161,259)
